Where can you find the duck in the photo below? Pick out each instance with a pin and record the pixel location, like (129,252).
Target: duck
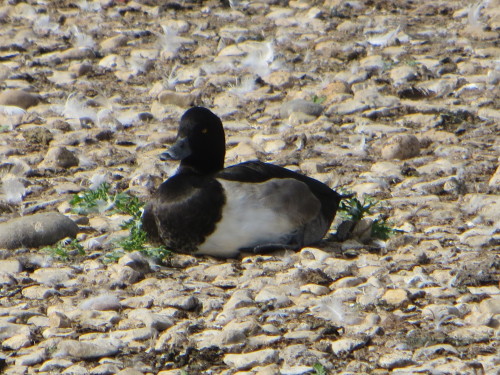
(257,207)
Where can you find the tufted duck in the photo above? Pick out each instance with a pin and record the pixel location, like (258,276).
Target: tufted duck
(253,206)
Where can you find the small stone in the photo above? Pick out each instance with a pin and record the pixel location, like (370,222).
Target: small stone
(58,319)
(401,147)
(427,352)
(495,179)
(75,370)
(60,157)
(17,342)
(38,135)
(36,230)
(113,43)
(56,364)
(395,297)
(136,261)
(19,98)
(38,292)
(10,266)
(246,361)
(396,360)
(346,345)
(35,357)
(179,99)
(300,105)
(86,350)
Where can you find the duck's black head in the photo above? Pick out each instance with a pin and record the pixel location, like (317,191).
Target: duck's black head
(200,143)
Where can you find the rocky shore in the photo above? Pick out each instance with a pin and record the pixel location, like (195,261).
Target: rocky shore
(399,100)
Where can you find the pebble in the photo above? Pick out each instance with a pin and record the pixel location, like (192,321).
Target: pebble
(36,230)
(401,147)
(85,350)
(252,359)
(302,106)
(19,98)
(60,157)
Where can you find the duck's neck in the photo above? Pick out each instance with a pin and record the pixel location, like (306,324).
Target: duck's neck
(200,166)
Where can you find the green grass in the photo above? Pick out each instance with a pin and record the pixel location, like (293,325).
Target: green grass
(355,210)
(318,99)
(64,250)
(319,369)
(102,201)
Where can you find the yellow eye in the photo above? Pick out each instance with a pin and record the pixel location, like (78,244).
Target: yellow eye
(204,131)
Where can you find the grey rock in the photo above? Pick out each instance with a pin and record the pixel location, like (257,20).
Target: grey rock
(38,135)
(105,369)
(252,359)
(10,266)
(35,357)
(36,230)
(136,261)
(86,350)
(60,157)
(55,365)
(19,98)
(300,105)
(401,147)
(396,360)
(75,370)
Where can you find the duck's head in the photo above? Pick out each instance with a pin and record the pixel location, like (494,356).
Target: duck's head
(200,142)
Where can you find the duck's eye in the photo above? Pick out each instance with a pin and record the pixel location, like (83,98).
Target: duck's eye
(204,131)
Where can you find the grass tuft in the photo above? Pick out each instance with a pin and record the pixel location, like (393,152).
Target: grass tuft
(355,210)
(100,200)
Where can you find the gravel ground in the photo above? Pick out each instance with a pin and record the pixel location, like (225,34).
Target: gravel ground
(396,99)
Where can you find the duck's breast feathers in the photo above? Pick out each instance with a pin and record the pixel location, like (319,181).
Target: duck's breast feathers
(185,209)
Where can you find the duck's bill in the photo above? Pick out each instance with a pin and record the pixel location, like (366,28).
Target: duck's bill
(178,151)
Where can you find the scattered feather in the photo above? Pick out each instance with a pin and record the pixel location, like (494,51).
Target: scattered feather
(85,6)
(169,41)
(95,242)
(384,40)
(333,309)
(82,40)
(76,108)
(97,180)
(475,14)
(11,110)
(259,60)
(13,189)
(43,27)
(246,85)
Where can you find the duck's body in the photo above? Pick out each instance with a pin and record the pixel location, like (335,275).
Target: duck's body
(252,206)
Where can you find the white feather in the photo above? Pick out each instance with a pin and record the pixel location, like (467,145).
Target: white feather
(75,108)
(11,110)
(384,40)
(82,40)
(13,189)
(246,85)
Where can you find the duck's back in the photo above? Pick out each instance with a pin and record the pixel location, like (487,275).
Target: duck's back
(257,171)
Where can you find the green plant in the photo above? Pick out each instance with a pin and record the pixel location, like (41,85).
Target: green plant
(355,210)
(100,200)
(319,369)
(90,201)
(4,128)
(318,99)
(65,249)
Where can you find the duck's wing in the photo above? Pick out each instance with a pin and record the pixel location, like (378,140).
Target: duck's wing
(257,171)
